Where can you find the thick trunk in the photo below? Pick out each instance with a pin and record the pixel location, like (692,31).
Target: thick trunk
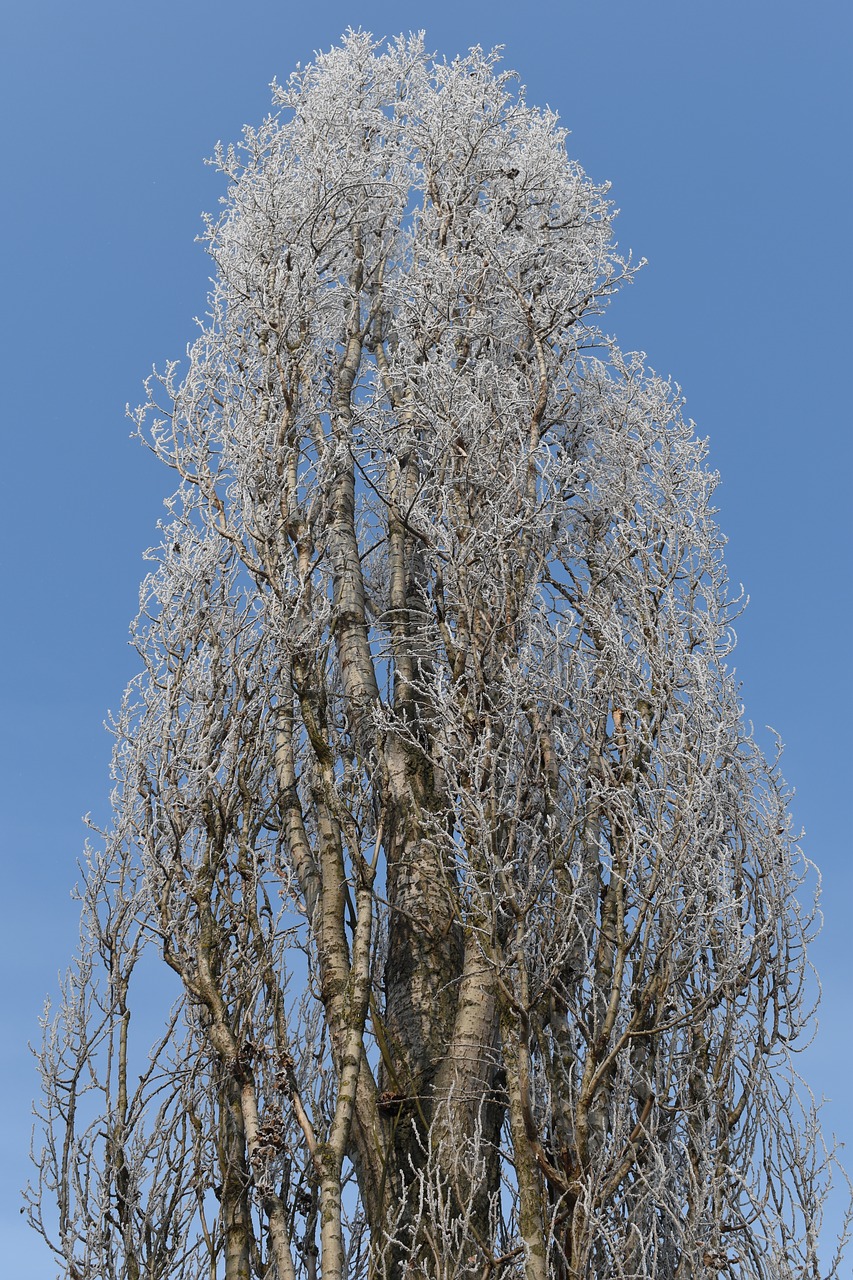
(424,961)
(467,1114)
(235,1212)
(421,991)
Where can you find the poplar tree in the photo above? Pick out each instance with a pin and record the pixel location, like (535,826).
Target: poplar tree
(433,794)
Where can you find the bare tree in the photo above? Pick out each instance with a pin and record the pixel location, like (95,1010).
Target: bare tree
(434,792)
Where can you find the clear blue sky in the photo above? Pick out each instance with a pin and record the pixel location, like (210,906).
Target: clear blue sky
(725,128)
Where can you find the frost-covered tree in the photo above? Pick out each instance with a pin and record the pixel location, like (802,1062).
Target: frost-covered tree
(434,791)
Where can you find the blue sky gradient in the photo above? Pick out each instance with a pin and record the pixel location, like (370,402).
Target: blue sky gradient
(725,128)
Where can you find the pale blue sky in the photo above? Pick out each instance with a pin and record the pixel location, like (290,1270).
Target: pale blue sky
(725,128)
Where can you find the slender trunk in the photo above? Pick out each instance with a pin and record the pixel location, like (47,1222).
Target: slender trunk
(530,1191)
